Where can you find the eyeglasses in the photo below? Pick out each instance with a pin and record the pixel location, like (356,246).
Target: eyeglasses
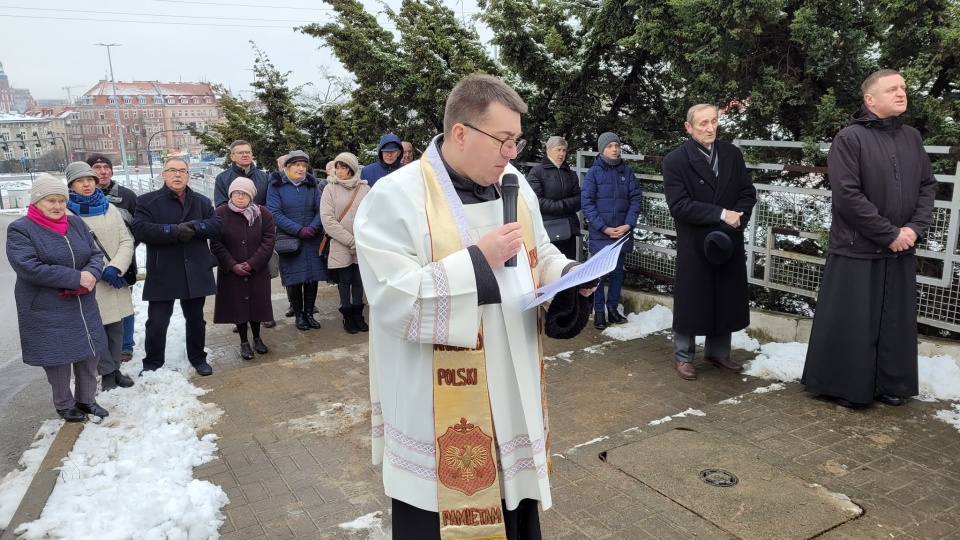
(175,171)
(506,145)
(243,153)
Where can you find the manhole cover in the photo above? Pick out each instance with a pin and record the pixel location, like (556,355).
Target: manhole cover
(719,477)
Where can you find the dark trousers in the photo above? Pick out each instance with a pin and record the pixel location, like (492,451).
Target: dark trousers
(85,372)
(350,286)
(158,319)
(110,358)
(412,523)
(612,300)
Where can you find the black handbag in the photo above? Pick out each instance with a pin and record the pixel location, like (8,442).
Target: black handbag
(287,245)
(558,229)
(130,276)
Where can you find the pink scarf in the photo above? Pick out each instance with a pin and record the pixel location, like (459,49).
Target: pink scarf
(251,212)
(56,225)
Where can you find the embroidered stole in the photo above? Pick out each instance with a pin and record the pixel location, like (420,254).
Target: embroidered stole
(468,491)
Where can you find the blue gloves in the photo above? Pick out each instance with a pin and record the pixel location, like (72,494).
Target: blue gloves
(112,276)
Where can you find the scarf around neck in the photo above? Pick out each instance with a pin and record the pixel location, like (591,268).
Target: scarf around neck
(92,205)
(58,226)
(349,183)
(610,161)
(251,212)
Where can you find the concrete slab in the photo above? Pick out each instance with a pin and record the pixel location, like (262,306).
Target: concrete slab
(759,502)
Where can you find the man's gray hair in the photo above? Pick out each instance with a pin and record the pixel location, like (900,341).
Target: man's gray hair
(870,81)
(556,141)
(692,111)
(175,158)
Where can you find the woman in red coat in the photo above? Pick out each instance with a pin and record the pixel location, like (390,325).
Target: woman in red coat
(243,253)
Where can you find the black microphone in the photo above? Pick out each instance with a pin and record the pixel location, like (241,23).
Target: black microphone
(509,189)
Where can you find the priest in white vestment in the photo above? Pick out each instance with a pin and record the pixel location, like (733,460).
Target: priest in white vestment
(455,362)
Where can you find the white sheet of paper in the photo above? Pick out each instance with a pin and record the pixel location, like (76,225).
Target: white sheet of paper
(600,264)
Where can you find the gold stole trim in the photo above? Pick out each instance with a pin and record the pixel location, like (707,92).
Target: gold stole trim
(468,490)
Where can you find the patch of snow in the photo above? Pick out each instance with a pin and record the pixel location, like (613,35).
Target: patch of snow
(588,443)
(731,401)
(641,325)
(15,484)
(371,523)
(661,421)
(951,417)
(690,412)
(597,349)
(778,362)
(740,340)
(565,356)
(767,389)
(332,419)
(939,379)
(631,430)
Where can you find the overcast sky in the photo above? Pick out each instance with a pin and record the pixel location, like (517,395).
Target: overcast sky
(49,44)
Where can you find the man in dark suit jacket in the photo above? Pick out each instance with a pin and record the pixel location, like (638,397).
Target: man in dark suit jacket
(710,197)
(175,223)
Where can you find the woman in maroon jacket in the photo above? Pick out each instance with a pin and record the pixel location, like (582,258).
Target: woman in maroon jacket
(243,253)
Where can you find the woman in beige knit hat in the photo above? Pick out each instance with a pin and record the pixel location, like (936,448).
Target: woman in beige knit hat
(338,209)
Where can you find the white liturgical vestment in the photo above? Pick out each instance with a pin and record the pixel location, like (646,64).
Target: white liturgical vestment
(416,303)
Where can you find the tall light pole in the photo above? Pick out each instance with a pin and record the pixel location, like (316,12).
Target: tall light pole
(116,108)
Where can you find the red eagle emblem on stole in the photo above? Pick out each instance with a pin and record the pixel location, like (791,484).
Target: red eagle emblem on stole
(466,461)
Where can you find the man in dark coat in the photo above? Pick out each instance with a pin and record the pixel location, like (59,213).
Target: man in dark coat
(125,200)
(863,345)
(388,159)
(175,223)
(710,198)
(558,190)
(241,154)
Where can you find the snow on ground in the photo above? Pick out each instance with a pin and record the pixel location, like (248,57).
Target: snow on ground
(939,379)
(640,325)
(688,412)
(371,524)
(139,460)
(588,443)
(738,340)
(778,362)
(950,416)
(15,484)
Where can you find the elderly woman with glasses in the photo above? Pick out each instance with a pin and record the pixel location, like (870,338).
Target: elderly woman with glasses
(57,264)
(558,190)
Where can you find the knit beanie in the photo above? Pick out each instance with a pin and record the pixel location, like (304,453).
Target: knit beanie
(99,158)
(349,160)
(605,139)
(244,185)
(296,156)
(45,185)
(78,169)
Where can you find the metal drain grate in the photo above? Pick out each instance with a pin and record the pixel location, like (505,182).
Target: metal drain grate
(719,478)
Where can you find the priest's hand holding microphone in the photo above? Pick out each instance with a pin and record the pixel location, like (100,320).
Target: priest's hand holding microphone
(501,246)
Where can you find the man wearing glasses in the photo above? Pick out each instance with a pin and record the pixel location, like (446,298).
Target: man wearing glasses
(175,223)
(241,154)
(455,362)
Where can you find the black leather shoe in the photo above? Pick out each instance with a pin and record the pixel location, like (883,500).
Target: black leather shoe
(349,324)
(203,369)
(246,352)
(311,322)
(259,346)
(94,409)
(290,312)
(72,414)
(614,317)
(122,380)
(301,322)
(599,320)
(893,401)
(848,404)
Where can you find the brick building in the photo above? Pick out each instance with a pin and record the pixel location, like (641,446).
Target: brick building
(150,112)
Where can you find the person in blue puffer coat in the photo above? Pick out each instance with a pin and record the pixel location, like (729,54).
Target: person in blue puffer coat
(388,159)
(611,202)
(293,197)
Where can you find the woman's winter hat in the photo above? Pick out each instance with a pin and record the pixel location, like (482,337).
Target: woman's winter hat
(391,147)
(605,139)
(46,185)
(99,158)
(244,185)
(78,169)
(349,160)
(295,157)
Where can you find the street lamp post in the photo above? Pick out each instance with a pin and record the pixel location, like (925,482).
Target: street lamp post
(150,139)
(116,108)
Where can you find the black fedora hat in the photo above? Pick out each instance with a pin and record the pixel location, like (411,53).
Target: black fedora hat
(717,248)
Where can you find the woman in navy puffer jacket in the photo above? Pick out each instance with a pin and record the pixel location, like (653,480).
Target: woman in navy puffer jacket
(611,202)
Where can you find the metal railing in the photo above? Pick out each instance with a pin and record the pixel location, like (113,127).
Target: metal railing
(785,218)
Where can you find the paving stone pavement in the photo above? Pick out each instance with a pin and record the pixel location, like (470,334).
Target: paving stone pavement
(294,453)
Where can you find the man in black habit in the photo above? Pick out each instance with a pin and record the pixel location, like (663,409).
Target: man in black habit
(710,197)
(863,345)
